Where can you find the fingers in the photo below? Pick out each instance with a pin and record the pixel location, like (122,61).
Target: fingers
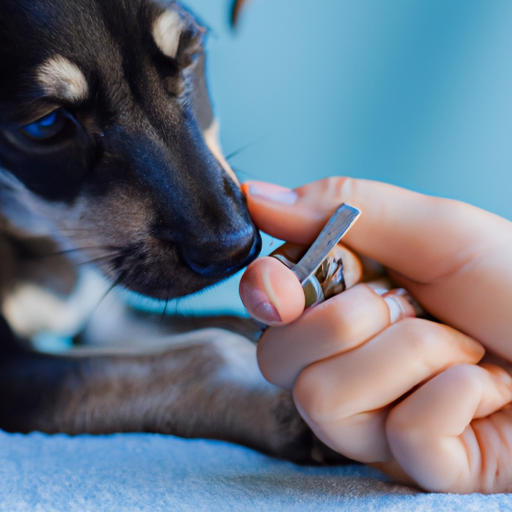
(344,398)
(433,438)
(419,236)
(272,293)
(454,258)
(334,327)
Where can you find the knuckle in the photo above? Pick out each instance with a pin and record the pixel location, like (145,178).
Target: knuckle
(338,189)
(355,313)
(420,335)
(465,376)
(345,330)
(438,345)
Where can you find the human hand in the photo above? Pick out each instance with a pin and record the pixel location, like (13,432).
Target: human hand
(401,392)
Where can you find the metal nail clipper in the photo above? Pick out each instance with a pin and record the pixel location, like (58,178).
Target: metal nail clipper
(320,269)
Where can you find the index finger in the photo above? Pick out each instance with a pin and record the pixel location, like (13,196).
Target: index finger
(421,237)
(454,258)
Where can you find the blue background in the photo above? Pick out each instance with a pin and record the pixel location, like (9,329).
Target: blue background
(416,93)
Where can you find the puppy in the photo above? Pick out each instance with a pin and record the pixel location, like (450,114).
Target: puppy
(108,149)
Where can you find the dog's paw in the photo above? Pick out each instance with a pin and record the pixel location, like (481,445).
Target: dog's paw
(264,415)
(290,438)
(210,386)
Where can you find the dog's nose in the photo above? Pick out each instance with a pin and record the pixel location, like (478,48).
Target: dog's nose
(222,258)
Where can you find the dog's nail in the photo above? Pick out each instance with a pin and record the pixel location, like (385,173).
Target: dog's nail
(270,192)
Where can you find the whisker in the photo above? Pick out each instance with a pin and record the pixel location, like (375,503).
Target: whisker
(163,315)
(244,147)
(104,296)
(75,230)
(239,173)
(114,283)
(81,249)
(176,303)
(107,257)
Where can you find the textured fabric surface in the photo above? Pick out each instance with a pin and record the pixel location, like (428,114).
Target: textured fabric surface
(142,472)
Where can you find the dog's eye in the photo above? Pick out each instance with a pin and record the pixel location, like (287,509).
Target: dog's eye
(47,127)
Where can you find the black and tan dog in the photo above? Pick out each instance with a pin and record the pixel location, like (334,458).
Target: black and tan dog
(108,147)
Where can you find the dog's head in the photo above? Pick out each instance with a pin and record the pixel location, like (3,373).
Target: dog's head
(106,131)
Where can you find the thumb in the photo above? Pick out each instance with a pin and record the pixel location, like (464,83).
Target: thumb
(454,258)
(420,237)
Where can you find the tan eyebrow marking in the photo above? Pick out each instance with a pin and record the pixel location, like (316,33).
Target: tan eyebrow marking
(211,137)
(167,31)
(61,78)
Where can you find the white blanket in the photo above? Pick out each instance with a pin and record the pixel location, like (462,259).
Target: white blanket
(144,472)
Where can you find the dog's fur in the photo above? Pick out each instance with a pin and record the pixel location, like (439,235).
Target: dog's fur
(134,180)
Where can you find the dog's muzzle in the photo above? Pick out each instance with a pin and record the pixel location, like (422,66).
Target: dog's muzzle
(220,260)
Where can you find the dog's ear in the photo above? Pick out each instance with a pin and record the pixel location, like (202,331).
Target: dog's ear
(236,9)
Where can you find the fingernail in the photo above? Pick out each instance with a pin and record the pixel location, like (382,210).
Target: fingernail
(270,192)
(266,313)
(258,303)
(399,304)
